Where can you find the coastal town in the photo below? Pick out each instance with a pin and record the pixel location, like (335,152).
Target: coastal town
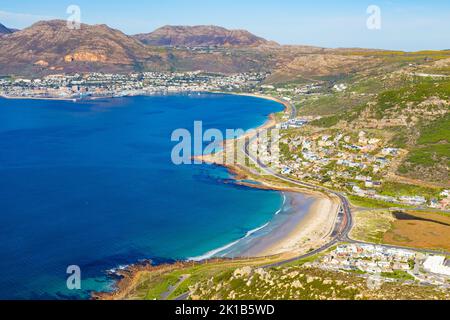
(354,162)
(380,264)
(95,85)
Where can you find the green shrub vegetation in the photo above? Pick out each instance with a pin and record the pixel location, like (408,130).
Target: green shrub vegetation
(401,189)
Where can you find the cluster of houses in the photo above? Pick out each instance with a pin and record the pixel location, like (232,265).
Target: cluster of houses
(383,261)
(293,124)
(354,164)
(369,258)
(335,157)
(307,89)
(416,201)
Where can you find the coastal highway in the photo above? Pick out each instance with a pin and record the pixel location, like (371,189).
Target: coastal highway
(344,221)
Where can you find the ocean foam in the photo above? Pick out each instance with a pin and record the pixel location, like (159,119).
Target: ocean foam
(213,253)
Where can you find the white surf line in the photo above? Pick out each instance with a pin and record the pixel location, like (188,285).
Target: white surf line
(215,252)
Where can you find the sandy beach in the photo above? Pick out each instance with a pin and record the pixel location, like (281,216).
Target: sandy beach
(304,221)
(301,232)
(305,227)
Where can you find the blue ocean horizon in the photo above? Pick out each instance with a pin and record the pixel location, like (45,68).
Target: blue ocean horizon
(91,183)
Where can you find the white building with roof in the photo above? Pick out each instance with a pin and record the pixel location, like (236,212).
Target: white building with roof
(438,265)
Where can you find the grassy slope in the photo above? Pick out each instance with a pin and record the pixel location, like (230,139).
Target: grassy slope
(305,283)
(431,147)
(294,281)
(371,226)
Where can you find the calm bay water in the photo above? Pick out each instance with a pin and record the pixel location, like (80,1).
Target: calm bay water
(92,184)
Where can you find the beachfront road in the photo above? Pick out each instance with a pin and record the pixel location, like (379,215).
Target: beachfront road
(344,221)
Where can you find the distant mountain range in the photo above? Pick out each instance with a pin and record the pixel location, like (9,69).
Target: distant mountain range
(49,47)
(201,36)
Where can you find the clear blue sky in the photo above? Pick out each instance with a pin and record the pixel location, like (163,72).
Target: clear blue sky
(406,24)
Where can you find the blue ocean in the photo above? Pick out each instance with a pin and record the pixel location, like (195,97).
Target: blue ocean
(91,183)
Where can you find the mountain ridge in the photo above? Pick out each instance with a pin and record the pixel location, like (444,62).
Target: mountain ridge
(201,35)
(52,45)
(49,47)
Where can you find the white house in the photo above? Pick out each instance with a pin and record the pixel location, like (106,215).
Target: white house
(437,264)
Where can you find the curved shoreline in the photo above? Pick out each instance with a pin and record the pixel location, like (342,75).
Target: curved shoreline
(302,234)
(298,232)
(293,229)
(301,221)
(213,253)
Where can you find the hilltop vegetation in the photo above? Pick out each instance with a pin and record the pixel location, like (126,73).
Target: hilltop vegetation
(430,154)
(421,98)
(418,116)
(303,283)
(244,279)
